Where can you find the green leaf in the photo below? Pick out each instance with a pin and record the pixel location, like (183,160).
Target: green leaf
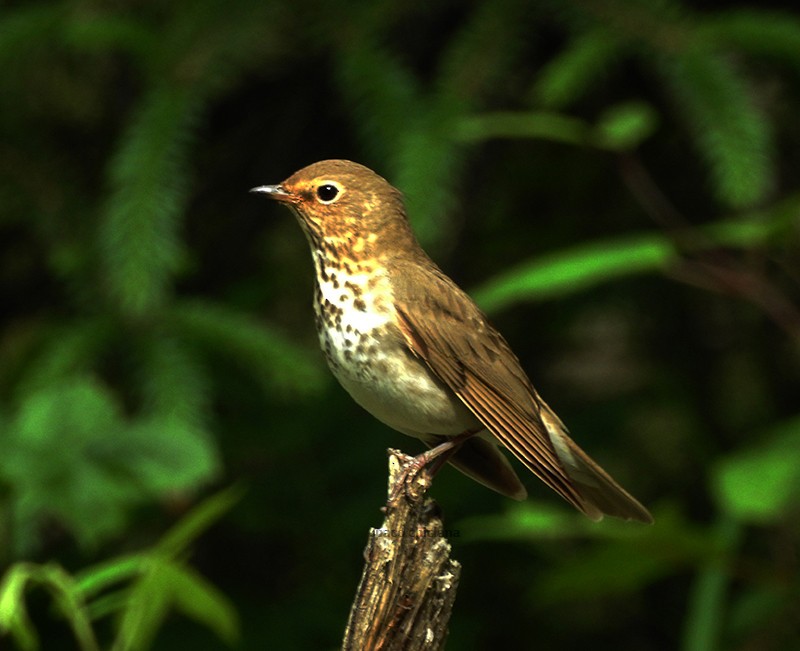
(706,615)
(48,455)
(198,520)
(762,484)
(626,558)
(14,620)
(165,585)
(174,381)
(69,451)
(587,265)
(148,604)
(65,350)
(606,570)
(68,602)
(380,93)
(625,126)
(97,578)
(101,34)
(757,607)
(163,454)
(13,616)
(623,557)
(198,599)
(529,521)
(576,268)
(26,28)
(476,59)
(531,124)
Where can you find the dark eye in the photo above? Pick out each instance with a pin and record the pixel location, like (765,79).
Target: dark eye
(327,192)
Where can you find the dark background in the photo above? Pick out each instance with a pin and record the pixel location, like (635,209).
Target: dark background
(614,181)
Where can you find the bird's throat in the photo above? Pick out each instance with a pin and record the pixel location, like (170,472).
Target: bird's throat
(353,303)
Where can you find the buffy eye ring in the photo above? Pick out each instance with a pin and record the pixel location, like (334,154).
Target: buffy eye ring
(328,193)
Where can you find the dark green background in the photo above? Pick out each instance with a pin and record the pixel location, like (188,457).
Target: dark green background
(614,181)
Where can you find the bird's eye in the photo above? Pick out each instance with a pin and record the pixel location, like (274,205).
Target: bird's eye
(327,193)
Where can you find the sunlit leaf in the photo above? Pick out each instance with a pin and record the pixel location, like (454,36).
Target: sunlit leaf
(575,269)
(14,620)
(761,484)
(99,577)
(60,586)
(584,266)
(48,454)
(528,521)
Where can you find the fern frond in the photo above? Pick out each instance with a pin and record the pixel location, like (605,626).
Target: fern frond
(380,93)
(273,358)
(63,351)
(479,57)
(109,33)
(576,70)
(398,125)
(139,232)
(173,381)
(766,33)
(25,28)
(426,164)
(732,134)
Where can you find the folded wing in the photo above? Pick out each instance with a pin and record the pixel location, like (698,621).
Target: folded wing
(472,358)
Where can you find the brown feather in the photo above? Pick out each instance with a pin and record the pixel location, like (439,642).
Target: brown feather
(458,344)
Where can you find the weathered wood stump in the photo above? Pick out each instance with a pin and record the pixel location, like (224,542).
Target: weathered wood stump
(409,583)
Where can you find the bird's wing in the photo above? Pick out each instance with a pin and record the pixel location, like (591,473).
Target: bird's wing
(451,335)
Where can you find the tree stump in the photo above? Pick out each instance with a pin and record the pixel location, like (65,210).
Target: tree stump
(409,583)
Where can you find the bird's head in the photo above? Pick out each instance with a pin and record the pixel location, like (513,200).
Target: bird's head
(339,199)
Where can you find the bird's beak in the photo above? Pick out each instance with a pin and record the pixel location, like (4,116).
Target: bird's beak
(274,192)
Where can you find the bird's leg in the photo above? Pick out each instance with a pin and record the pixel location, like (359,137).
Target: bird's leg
(431,461)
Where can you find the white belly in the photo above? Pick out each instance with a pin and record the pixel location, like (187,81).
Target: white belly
(402,393)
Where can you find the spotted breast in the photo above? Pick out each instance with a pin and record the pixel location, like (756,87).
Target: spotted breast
(357,328)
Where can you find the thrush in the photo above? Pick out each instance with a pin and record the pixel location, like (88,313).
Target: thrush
(415,351)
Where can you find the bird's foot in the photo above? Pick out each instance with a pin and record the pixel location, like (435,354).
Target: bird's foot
(412,478)
(415,474)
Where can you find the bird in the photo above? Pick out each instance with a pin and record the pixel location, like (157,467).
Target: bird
(414,350)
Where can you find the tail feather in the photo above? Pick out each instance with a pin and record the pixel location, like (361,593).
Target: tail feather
(596,486)
(483,461)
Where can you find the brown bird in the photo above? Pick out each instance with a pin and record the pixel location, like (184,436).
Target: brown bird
(415,351)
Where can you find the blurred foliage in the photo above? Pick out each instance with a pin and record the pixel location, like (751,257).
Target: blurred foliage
(617,180)
(159,581)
